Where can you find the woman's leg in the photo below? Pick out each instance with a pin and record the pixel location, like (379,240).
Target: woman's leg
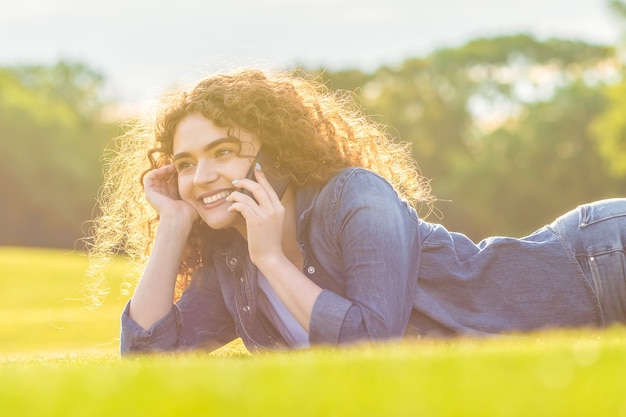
(596,234)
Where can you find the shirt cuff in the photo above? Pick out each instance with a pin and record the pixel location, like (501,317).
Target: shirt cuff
(163,335)
(327,317)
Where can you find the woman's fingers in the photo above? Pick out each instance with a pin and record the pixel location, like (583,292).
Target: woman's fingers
(261,189)
(255,197)
(267,187)
(160,176)
(161,190)
(242,201)
(264,215)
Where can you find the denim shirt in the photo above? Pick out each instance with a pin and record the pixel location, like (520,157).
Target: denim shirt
(385,274)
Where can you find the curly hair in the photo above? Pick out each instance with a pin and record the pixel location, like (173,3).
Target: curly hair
(314,131)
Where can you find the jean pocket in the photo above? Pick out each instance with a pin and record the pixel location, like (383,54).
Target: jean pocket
(609,278)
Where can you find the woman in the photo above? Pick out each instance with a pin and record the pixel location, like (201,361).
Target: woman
(340,255)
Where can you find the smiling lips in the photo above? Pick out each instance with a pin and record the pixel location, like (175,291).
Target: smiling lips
(215,197)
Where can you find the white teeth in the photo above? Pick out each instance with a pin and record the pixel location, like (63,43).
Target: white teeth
(213,198)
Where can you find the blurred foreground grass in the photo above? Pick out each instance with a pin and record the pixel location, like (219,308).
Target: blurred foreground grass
(555,374)
(58,359)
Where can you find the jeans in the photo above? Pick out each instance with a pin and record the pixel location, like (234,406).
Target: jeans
(596,234)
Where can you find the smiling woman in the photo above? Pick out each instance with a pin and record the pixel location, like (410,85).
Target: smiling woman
(207,160)
(341,256)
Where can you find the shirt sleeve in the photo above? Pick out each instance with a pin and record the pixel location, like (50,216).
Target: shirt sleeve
(377,236)
(163,335)
(199,320)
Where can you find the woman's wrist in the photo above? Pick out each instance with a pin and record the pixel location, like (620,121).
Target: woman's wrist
(175,224)
(274,265)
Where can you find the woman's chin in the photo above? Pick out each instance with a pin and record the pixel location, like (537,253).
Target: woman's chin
(224,220)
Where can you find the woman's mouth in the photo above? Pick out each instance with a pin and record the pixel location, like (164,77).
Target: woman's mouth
(215,197)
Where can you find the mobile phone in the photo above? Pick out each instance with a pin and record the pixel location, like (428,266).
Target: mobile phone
(276,174)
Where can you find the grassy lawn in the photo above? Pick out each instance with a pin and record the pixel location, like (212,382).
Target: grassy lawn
(58,359)
(43,306)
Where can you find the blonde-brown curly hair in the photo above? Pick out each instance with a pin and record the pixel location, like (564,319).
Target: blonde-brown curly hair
(314,131)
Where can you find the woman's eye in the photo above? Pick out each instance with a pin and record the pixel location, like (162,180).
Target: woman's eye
(224,152)
(183,165)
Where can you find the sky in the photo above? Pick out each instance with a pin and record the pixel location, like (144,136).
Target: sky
(143,47)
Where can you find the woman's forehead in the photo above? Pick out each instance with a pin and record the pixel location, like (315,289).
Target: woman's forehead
(195,132)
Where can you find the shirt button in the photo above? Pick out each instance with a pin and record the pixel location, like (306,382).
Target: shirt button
(246,308)
(233,262)
(310,270)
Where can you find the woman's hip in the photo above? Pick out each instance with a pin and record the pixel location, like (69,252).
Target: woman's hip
(596,234)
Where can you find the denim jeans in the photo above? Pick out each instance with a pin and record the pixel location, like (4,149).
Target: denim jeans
(596,234)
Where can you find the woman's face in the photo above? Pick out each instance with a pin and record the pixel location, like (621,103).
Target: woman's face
(207,160)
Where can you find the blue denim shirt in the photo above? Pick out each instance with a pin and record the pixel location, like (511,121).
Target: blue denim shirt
(385,274)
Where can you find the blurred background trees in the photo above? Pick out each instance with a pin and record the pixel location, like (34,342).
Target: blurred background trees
(512,130)
(51,142)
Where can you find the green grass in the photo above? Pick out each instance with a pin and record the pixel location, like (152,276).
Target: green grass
(43,306)
(63,361)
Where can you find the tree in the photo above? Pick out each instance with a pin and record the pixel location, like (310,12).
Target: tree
(51,140)
(610,131)
(610,128)
(490,120)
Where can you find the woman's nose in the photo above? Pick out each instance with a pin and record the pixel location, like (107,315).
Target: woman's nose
(205,173)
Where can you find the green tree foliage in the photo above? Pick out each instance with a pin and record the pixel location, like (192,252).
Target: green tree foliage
(610,131)
(51,140)
(618,8)
(610,128)
(501,125)
(529,171)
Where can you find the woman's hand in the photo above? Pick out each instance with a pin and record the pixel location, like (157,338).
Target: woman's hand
(271,241)
(264,217)
(161,188)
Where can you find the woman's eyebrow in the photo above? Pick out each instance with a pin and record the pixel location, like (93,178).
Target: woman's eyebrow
(209,146)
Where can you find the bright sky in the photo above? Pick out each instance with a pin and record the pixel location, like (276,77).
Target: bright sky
(143,46)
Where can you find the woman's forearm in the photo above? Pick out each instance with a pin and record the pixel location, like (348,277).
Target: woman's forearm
(154,294)
(295,290)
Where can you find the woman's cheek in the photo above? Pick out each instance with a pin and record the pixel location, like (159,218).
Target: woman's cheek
(184,189)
